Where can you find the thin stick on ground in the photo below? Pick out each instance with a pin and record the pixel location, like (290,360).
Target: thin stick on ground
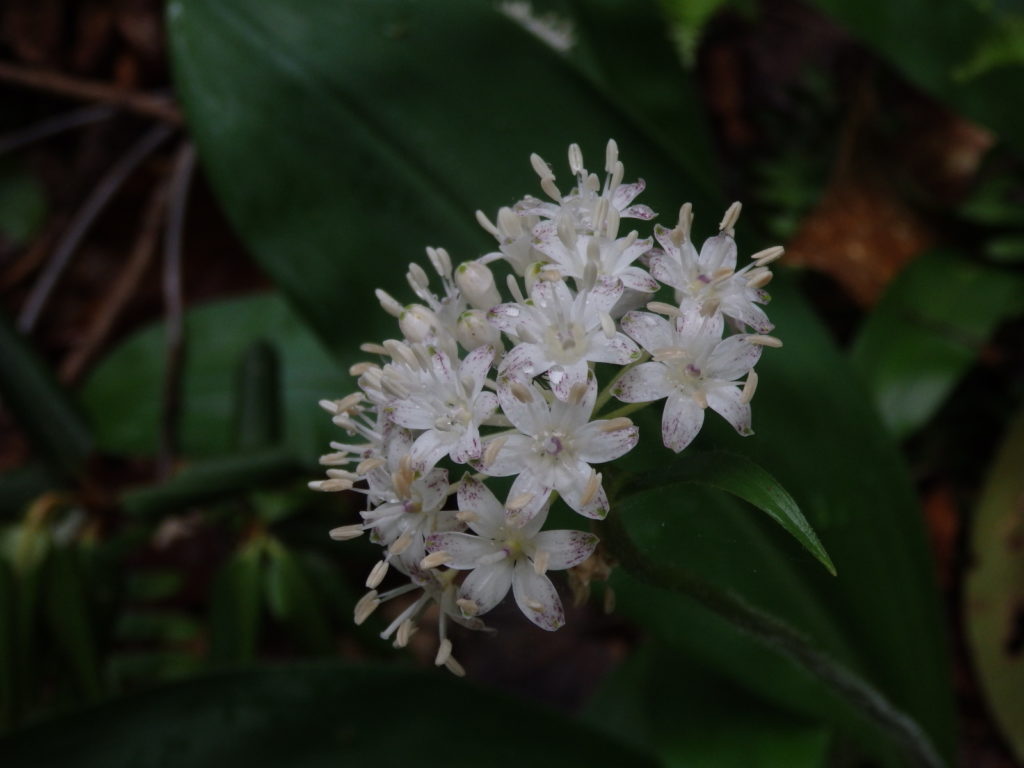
(184,165)
(149,105)
(83,221)
(52,126)
(124,287)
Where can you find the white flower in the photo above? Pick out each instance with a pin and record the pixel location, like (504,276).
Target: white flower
(709,280)
(570,254)
(554,447)
(561,334)
(445,406)
(503,555)
(694,368)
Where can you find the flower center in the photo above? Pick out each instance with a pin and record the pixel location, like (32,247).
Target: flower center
(567,344)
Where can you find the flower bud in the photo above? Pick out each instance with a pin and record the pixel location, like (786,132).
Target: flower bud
(473,330)
(417,322)
(476,282)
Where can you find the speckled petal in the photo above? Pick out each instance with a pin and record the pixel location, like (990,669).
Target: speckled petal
(643,384)
(650,331)
(718,252)
(680,422)
(726,402)
(465,549)
(487,585)
(565,548)
(477,498)
(595,445)
(536,597)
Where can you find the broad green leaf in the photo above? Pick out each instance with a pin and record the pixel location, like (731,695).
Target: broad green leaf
(122,400)
(211,479)
(19,486)
(743,478)
(351,185)
(258,411)
(994,600)
(690,717)
(235,606)
(166,627)
(946,49)
(926,332)
(8,659)
(33,397)
(293,601)
(317,715)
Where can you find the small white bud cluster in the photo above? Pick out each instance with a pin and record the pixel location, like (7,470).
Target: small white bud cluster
(507,388)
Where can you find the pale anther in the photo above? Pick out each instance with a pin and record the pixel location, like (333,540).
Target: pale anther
(435,559)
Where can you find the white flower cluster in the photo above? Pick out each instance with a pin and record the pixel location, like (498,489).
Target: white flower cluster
(510,389)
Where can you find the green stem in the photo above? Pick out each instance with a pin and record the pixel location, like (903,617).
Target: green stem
(625,410)
(605,394)
(778,636)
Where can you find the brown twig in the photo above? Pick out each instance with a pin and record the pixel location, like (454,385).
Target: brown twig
(83,220)
(123,289)
(160,107)
(184,166)
(51,126)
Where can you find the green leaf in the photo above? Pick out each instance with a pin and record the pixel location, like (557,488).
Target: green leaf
(318,714)
(953,61)
(350,186)
(33,397)
(212,479)
(292,600)
(22,205)
(235,606)
(743,478)
(994,598)
(8,647)
(692,717)
(912,350)
(258,412)
(121,397)
(20,486)
(66,608)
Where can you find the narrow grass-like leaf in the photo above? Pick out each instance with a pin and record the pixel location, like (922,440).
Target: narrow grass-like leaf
(66,607)
(258,413)
(293,601)
(235,606)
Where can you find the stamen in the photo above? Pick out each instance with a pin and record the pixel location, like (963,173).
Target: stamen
(749,387)
(399,545)
(575,159)
(330,486)
(513,288)
(611,225)
(577,393)
(611,156)
(368,465)
(346,532)
(367,604)
(617,424)
(760,279)
(435,559)
(591,489)
(765,341)
(493,449)
(467,606)
(700,398)
(417,276)
(373,349)
(533,605)
(454,667)
(444,652)
(548,185)
(509,223)
(487,224)
(467,516)
(768,255)
(521,392)
(335,459)
(405,631)
(540,562)
(342,474)
(360,368)
(730,218)
(685,220)
(541,168)
(617,173)
(608,325)
(518,503)
(600,215)
(662,308)
(390,306)
(380,570)
(331,406)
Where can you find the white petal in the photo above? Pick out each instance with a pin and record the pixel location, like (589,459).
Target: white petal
(475,368)
(524,362)
(595,446)
(431,447)
(536,597)
(432,489)
(565,548)
(506,317)
(484,406)
(618,350)
(477,498)
(563,378)
(511,459)
(529,417)
(638,280)
(469,446)
(412,413)
(668,270)
(732,358)
(726,402)
(625,194)
(643,384)
(602,297)
(652,332)
(464,548)
(680,422)
(642,212)
(572,489)
(487,585)
(530,484)
(718,252)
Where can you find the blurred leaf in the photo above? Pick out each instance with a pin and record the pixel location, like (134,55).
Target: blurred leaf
(258,411)
(952,61)
(994,603)
(995,202)
(926,332)
(157,626)
(121,399)
(66,606)
(1002,46)
(317,714)
(22,205)
(743,478)
(235,606)
(33,397)
(8,657)
(688,18)
(135,668)
(1008,249)
(19,486)
(351,186)
(292,600)
(152,585)
(691,717)
(212,479)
